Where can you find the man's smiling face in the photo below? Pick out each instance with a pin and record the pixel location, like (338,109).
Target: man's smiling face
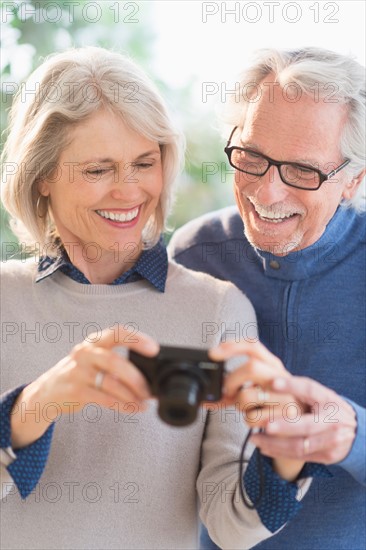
(279,218)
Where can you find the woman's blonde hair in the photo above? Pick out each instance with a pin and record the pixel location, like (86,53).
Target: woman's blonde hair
(66,89)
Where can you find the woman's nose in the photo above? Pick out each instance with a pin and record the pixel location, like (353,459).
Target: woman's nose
(125,181)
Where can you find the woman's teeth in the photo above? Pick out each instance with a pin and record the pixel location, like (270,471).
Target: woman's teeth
(120,217)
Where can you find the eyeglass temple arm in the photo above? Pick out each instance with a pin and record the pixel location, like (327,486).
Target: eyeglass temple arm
(231,135)
(333,172)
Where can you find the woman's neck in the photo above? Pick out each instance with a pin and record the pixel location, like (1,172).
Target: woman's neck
(103,266)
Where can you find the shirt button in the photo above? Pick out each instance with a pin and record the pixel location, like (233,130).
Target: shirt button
(274,264)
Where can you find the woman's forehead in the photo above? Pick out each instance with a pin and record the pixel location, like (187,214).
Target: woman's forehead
(107,135)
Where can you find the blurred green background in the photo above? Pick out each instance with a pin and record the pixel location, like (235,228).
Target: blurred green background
(33,29)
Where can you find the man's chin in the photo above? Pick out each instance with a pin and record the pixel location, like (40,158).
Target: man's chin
(277,248)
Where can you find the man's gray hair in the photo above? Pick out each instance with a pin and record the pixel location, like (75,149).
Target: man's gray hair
(324,75)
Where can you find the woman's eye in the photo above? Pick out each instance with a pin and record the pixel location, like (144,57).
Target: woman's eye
(97,172)
(143,165)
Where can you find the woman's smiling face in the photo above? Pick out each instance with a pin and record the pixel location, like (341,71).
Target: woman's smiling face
(107,186)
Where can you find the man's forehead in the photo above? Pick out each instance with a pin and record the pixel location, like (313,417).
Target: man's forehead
(291,101)
(276,122)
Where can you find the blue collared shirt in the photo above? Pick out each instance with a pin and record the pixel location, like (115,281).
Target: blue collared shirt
(152,265)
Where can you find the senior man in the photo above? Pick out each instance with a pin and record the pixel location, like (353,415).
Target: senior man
(296,142)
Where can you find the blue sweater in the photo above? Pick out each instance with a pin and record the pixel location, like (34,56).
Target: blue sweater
(311,313)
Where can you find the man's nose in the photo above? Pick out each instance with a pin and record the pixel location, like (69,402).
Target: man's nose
(270,187)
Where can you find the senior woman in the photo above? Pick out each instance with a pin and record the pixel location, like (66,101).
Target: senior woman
(90,162)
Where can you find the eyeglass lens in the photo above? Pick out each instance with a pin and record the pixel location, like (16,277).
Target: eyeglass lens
(253,163)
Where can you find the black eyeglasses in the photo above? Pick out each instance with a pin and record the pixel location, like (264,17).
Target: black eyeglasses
(294,174)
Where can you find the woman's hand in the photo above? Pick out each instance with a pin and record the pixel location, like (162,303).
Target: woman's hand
(249,387)
(92,372)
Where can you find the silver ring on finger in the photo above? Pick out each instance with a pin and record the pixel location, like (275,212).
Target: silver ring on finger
(99,377)
(306,445)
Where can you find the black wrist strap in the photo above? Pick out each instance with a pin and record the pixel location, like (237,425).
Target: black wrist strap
(242,461)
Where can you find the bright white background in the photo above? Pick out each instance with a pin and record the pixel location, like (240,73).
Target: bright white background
(213,40)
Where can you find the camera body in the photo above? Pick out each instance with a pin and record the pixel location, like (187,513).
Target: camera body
(181,378)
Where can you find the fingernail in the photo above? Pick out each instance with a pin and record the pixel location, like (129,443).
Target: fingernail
(217,352)
(272,427)
(279,383)
(151,346)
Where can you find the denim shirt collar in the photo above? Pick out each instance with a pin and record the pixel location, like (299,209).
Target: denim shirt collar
(152,265)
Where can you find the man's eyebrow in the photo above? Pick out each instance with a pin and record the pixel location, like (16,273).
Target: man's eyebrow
(308,162)
(249,145)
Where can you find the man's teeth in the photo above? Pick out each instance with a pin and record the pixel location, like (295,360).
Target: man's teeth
(274,217)
(120,217)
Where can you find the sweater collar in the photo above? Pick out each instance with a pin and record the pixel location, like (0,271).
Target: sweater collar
(152,265)
(341,236)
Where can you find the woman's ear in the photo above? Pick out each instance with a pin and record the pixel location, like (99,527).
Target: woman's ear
(351,187)
(43,188)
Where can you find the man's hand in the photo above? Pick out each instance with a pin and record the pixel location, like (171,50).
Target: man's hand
(323,434)
(249,388)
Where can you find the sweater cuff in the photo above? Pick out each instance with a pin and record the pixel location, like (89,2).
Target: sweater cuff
(6,404)
(25,465)
(278,502)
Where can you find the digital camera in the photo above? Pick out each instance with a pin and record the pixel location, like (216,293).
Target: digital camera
(181,378)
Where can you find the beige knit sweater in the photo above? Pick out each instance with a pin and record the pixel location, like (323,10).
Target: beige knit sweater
(125,480)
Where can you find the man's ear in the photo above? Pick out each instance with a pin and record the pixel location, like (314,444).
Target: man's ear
(351,187)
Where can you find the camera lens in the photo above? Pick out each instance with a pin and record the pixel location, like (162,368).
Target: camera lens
(179,398)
